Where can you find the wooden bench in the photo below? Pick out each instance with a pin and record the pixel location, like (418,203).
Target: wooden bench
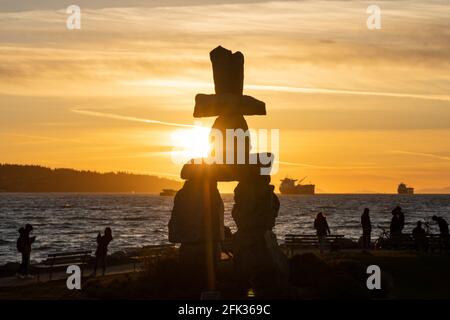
(63,259)
(307,241)
(151,255)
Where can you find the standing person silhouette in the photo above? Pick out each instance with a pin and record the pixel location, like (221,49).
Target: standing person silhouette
(443,229)
(102,249)
(24,243)
(401,218)
(367,229)
(420,237)
(322,229)
(397,225)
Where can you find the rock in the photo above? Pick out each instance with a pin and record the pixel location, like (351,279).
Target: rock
(200,169)
(199,263)
(236,141)
(228,70)
(197,214)
(256,205)
(329,282)
(258,258)
(259,262)
(308,270)
(9,268)
(224,104)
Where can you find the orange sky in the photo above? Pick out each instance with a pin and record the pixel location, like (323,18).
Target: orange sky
(358,110)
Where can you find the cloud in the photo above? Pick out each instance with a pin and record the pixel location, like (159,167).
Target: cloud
(179,83)
(421,154)
(314,166)
(129,118)
(14,6)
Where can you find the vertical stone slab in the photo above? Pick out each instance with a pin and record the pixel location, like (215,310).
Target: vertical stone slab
(197,223)
(234,122)
(258,259)
(228,70)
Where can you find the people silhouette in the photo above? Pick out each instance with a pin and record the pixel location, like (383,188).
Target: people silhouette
(397,224)
(322,229)
(24,243)
(367,229)
(420,237)
(443,229)
(401,218)
(102,249)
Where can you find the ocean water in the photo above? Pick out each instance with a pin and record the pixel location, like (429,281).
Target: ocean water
(71,221)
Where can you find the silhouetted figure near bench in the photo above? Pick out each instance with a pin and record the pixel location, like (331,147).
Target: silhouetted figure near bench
(102,250)
(420,237)
(397,225)
(401,218)
(367,229)
(443,229)
(322,229)
(24,243)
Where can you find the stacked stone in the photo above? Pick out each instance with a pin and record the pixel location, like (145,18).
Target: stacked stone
(197,216)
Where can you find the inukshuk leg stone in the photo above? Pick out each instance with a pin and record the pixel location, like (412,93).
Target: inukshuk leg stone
(197,216)
(197,223)
(258,260)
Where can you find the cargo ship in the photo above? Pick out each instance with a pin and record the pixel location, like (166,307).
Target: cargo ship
(404,189)
(168,193)
(288,186)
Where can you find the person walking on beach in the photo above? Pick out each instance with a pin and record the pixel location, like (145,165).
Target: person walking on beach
(24,243)
(322,229)
(396,227)
(367,229)
(443,229)
(102,249)
(420,237)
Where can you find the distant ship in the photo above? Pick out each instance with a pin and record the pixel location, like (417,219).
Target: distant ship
(404,189)
(288,186)
(168,192)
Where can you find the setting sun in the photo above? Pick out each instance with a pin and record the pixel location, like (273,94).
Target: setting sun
(190,143)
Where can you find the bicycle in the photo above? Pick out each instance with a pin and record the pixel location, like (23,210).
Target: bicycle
(384,240)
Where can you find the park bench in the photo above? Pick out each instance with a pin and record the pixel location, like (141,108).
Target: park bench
(63,259)
(294,242)
(151,255)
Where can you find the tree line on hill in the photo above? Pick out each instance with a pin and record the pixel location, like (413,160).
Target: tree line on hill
(32,178)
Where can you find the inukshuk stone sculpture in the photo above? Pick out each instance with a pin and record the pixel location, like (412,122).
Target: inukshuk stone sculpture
(197,215)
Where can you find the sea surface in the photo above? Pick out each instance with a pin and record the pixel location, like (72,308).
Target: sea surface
(71,221)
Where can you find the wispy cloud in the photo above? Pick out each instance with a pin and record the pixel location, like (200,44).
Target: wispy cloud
(421,154)
(314,166)
(185,84)
(129,118)
(40,138)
